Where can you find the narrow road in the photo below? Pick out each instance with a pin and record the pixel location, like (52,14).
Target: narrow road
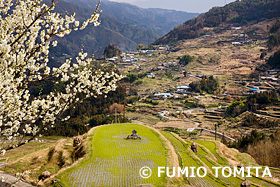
(269,85)
(218,133)
(197,124)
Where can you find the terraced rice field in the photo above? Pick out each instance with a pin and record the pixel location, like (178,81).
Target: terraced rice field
(188,159)
(220,161)
(115,161)
(207,156)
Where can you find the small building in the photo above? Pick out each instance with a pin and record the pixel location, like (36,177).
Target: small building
(254,90)
(143,60)
(151,75)
(164,48)
(164,113)
(113,60)
(146,51)
(236,43)
(190,129)
(182,89)
(163,95)
(235,28)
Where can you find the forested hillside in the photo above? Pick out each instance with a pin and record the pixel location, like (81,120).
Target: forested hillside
(123,24)
(160,21)
(238,13)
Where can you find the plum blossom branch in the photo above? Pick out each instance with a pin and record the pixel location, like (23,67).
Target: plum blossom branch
(27,28)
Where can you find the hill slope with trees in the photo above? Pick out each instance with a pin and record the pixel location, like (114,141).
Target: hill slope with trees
(238,13)
(123,24)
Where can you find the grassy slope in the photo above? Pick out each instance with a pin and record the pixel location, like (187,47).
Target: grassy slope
(211,146)
(115,161)
(188,159)
(33,157)
(209,157)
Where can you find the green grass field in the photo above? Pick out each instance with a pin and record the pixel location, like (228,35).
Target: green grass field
(112,160)
(115,161)
(221,161)
(187,159)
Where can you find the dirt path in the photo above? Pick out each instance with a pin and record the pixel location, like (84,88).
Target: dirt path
(174,156)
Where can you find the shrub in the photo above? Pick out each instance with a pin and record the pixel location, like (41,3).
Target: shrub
(61,159)
(133,91)
(274,60)
(188,104)
(132,77)
(139,82)
(112,50)
(236,108)
(51,153)
(243,142)
(133,99)
(105,119)
(207,84)
(184,60)
(169,75)
(150,101)
(260,100)
(172,114)
(273,41)
(252,120)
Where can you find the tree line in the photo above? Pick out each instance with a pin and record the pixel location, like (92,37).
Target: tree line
(206,84)
(253,102)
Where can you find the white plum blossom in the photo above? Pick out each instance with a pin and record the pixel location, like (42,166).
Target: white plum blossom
(27,28)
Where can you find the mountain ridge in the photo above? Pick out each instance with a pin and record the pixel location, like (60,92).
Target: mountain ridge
(147,18)
(238,13)
(123,24)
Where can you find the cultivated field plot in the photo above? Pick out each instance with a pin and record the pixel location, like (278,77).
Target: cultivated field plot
(208,156)
(115,161)
(187,159)
(208,149)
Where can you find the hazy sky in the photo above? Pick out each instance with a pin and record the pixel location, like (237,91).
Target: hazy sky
(198,6)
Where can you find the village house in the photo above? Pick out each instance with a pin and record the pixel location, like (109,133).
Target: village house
(143,60)
(113,59)
(239,35)
(169,64)
(235,28)
(146,51)
(162,95)
(256,90)
(164,48)
(151,75)
(182,89)
(236,43)
(126,60)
